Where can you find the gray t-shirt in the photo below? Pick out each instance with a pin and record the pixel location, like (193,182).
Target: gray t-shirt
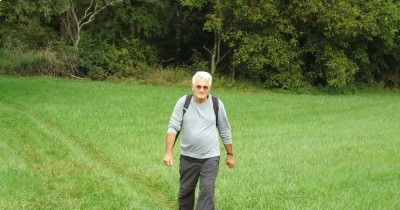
(199,133)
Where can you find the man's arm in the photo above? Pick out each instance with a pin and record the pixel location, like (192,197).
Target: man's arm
(230,160)
(224,130)
(174,126)
(169,146)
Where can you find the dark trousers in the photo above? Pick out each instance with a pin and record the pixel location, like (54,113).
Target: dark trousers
(191,169)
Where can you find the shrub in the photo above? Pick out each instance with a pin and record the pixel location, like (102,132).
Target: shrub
(55,60)
(104,60)
(339,70)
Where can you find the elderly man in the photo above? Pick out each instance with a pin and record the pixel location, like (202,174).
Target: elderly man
(201,121)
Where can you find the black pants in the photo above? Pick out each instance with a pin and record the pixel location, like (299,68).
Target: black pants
(191,169)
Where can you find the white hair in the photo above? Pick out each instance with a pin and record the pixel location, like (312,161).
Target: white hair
(202,74)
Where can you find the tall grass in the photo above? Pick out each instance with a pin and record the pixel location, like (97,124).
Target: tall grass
(52,61)
(94,145)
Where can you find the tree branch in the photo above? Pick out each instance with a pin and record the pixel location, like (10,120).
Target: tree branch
(208,50)
(223,56)
(90,15)
(87,17)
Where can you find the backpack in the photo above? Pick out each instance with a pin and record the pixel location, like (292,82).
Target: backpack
(186,106)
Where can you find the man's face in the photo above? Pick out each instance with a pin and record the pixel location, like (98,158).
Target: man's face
(201,88)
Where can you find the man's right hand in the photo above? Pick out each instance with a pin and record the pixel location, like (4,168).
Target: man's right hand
(168,159)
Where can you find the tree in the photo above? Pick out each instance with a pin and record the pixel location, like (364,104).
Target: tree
(27,24)
(345,41)
(80,14)
(215,24)
(264,43)
(334,43)
(215,20)
(280,43)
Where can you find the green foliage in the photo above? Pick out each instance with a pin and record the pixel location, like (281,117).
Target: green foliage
(339,70)
(193,3)
(101,60)
(198,61)
(27,23)
(144,20)
(281,44)
(252,14)
(271,58)
(213,23)
(265,44)
(287,41)
(361,32)
(288,79)
(56,60)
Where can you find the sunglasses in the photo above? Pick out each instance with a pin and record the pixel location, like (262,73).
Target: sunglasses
(198,87)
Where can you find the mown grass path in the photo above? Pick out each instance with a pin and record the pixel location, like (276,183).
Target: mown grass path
(91,157)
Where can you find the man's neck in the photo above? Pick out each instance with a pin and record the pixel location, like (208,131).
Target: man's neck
(200,101)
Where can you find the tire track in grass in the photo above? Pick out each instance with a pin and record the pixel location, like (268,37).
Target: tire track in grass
(93,156)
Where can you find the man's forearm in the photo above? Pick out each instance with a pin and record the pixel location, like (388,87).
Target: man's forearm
(229,149)
(230,160)
(169,142)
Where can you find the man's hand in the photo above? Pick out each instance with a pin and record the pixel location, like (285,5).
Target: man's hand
(230,161)
(168,159)
(169,145)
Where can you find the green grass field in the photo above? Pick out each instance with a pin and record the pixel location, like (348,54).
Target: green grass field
(67,144)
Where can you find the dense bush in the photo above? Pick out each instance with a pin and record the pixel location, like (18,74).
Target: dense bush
(101,60)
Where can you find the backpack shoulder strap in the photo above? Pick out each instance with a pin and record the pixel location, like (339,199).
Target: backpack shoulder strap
(185,108)
(216,108)
(187,103)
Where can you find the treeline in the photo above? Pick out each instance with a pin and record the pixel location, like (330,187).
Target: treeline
(276,43)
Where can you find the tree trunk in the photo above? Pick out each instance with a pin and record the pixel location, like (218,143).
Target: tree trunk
(178,28)
(215,53)
(214,61)
(233,72)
